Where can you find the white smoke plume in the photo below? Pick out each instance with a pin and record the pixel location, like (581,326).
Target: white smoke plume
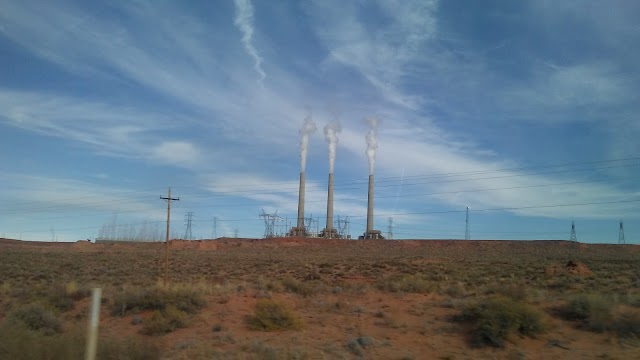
(331,131)
(308,128)
(372,141)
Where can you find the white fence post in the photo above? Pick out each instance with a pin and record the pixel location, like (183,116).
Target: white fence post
(94,321)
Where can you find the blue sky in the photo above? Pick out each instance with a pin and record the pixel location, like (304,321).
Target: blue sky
(526,106)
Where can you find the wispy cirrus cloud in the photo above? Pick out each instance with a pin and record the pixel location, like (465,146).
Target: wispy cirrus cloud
(405,151)
(244,21)
(106,129)
(384,56)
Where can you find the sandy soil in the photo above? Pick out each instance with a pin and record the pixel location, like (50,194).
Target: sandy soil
(347,304)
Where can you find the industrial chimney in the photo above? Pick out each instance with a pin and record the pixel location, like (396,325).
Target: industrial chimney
(299,230)
(370,206)
(329,226)
(370,233)
(329,232)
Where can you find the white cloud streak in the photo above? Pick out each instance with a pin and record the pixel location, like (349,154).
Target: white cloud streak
(244,22)
(380,54)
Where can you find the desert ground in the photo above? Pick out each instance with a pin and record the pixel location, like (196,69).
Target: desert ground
(293,298)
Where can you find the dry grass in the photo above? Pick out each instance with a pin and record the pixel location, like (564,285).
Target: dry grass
(502,291)
(272,316)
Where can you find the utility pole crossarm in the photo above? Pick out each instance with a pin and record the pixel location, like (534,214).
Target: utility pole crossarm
(166,241)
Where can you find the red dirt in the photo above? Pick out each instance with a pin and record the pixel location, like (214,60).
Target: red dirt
(403,325)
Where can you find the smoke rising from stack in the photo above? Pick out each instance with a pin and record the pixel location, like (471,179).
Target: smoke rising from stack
(308,128)
(372,141)
(331,131)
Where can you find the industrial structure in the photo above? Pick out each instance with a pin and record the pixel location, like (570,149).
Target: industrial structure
(370,233)
(299,229)
(329,231)
(574,236)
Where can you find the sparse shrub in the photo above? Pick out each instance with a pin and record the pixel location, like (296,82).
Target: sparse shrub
(165,321)
(495,319)
(513,291)
(593,310)
(627,324)
(36,317)
(296,286)
(18,343)
(136,300)
(454,290)
(59,299)
(130,349)
(357,345)
(75,291)
(414,283)
(270,315)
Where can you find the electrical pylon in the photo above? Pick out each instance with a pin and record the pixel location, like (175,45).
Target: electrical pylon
(621,234)
(390,229)
(187,223)
(574,237)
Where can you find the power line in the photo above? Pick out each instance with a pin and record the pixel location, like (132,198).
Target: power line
(311,185)
(401,214)
(380,181)
(510,208)
(430,193)
(49,208)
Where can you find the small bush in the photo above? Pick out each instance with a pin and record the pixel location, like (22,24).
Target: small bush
(512,291)
(36,317)
(495,319)
(356,346)
(22,344)
(270,315)
(296,286)
(413,283)
(137,300)
(627,324)
(165,321)
(593,310)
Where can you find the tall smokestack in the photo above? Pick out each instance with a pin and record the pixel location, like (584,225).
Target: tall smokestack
(329,227)
(301,203)
(308,128)
(370,206)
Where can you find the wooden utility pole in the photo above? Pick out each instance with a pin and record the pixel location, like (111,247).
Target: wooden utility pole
(166,241)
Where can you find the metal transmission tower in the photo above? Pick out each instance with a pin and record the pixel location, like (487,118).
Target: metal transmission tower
(187,223)
(390,229)
(312,223)
(574,237)
(215,227)
(269,223)
(467,230)
(343,227)
(621,234)
(235,233)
